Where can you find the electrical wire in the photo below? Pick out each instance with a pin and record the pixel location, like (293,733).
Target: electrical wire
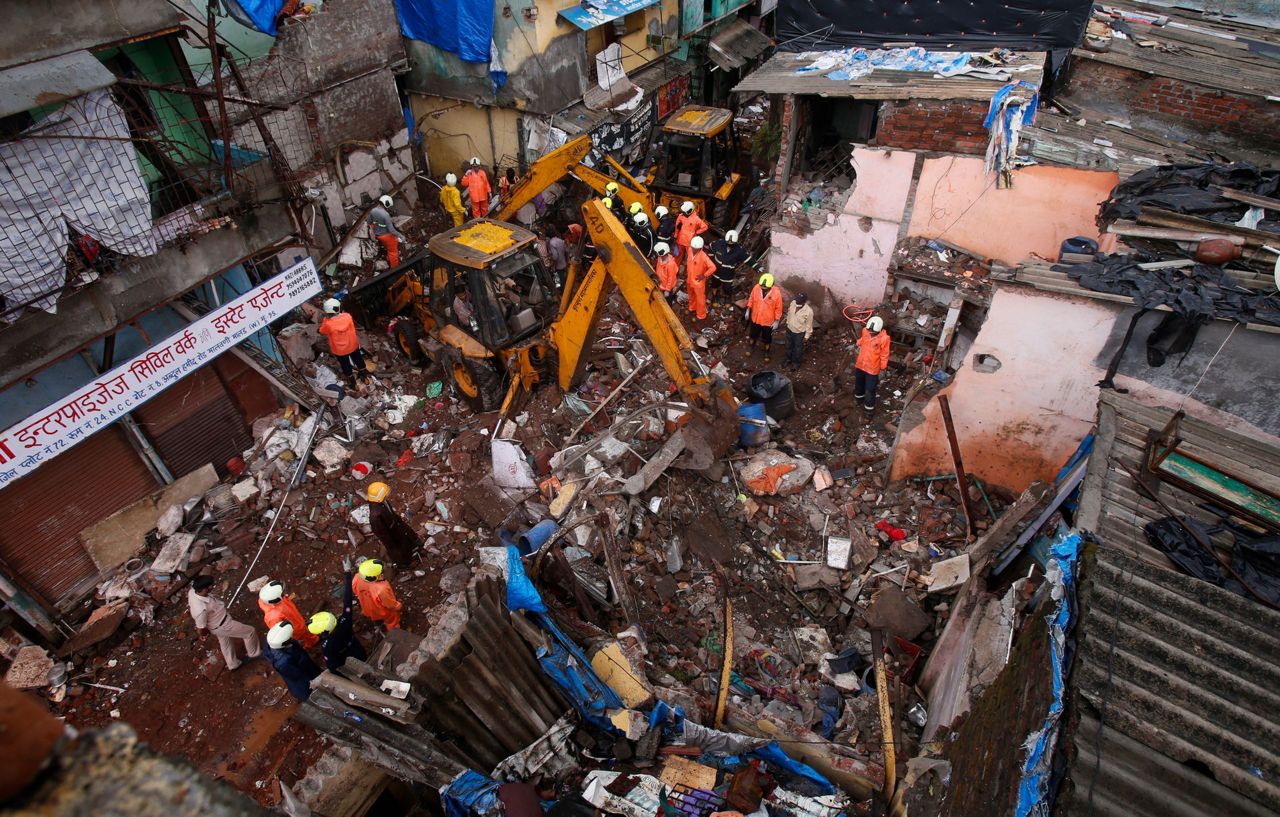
(1187,396)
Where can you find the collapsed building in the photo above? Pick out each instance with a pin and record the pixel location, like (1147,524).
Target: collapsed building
(1040,578)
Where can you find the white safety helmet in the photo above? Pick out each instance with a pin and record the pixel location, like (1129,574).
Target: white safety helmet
(332,306)
(875,323)
(475,161)
(661,212)
(697,242)
(387,201)
(687,208)
(272,591)
(281,633)
(450,178)
(640,220)
(731,236)
(661,248)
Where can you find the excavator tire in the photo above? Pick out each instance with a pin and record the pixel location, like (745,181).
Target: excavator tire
(407,339)
(478,383)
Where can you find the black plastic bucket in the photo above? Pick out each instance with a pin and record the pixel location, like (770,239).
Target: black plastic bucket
(774,390)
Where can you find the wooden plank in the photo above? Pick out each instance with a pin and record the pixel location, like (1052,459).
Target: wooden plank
(1232,492)
(1249,198)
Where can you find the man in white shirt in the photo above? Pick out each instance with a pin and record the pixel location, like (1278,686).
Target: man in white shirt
(210,616)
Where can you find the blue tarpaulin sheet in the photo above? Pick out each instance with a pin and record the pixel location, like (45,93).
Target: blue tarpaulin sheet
(260,13)
(591,13)
(565,664)
(471,793)
(462,27)
(1033,799)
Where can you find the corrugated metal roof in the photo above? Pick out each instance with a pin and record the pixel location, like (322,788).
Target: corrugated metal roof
(1180,674)
(51,81)
(778,76)
(736,44)
(1174,682)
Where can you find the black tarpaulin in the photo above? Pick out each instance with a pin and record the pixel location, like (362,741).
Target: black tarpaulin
(816,25)
(1193,190)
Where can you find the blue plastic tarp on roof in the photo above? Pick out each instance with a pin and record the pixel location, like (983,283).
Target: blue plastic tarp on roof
(462,27)
(591,13)
(261,14)
(565,665)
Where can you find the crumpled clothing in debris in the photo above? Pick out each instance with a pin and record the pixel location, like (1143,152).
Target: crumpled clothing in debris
(1255,560)
(1192,190)
(1201,290)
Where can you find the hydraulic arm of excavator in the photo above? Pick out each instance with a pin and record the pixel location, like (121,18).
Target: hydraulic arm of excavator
(620,261)
(567,160)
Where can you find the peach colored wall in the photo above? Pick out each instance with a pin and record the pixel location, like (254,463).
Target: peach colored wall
(958,201)
(1021,423)
(851,256)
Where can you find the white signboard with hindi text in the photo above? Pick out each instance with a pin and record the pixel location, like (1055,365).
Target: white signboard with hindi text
(109,397)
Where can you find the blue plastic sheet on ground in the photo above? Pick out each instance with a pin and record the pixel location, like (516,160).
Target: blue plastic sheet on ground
(565,665)
(521,594)
(261,14)
(772,753)
(471,793)
(1033,789)
(462,27)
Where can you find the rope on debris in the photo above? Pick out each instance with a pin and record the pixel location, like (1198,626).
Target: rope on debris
(1235,325)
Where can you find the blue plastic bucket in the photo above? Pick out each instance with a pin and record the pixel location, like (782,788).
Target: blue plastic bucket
(754,430)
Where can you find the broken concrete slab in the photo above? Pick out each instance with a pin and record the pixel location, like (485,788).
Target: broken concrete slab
(173,555)
(892,610)
(813,642)
(298,342)
(331,454)
(949,573)
(244,489)
(653,469)
(30,668)
(809,577)
(773,472)
(100,625)
(454,579)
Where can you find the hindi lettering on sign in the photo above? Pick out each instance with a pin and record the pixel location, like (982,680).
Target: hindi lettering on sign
(124,388)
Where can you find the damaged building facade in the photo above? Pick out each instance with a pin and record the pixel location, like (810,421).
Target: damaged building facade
(234,168)
(1035,571)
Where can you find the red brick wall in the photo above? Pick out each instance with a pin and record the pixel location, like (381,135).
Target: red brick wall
(943,125)
(1249,121)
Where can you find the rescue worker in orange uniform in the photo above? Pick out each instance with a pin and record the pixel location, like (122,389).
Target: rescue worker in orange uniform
(384,229)
(688,225)
(344,343)
(377,600)
(667,269)
(873,357)
(277,607)
(476,180)
(764,310)
(698,269)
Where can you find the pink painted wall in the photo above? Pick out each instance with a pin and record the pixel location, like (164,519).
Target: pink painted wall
(851,256)
(957,200)
(1021,423)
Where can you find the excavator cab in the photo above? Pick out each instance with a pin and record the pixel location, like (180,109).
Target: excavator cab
(698,163)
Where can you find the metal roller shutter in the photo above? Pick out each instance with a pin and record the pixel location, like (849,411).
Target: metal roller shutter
(42,514)
(194,422)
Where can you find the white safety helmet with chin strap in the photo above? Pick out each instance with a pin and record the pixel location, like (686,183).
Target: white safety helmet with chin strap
(731,236)
(281,633)
(332,306)
(271,591)
(661,212)
(687,208)
(661,248)
(450,179)
(875,323)
(640,220)
(387,202)
(475,161)
(696,243)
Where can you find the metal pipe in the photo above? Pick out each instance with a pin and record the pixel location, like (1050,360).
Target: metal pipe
(962,480)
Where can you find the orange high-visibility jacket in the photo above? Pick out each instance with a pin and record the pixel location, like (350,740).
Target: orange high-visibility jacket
(341,330)
(873,352)
(477,184)
(286,610)
(699,268)
(377,600)
(765,309)
(689,226)
(668,270)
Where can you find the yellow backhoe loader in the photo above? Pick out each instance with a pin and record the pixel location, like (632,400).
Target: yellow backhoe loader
(697,162)
(480,303)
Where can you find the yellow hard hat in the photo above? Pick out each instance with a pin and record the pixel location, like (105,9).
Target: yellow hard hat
(377,491)
(766,280)
(611,188)
(322,623)
(607,202)
(371,568)
(636,207)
